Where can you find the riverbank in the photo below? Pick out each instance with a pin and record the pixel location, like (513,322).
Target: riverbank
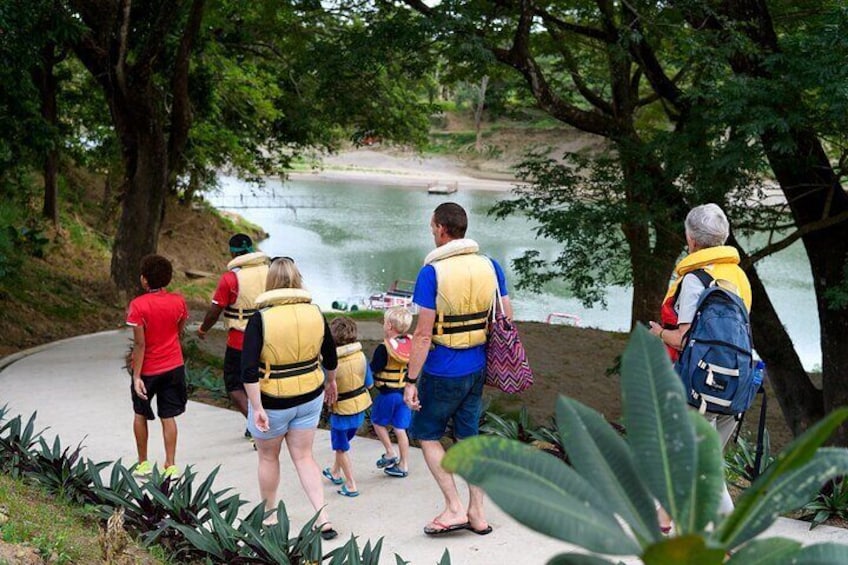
(403,169)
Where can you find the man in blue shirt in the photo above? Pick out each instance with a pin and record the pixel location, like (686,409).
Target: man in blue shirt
(455,291)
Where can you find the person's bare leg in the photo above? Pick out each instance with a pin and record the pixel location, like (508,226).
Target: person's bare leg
(403,448)
(140,433)
(336,471)
(343,460)
(454,512)
(383,436)
(239,399)
(169,433)
(476,515)
(268,469)
(299,443)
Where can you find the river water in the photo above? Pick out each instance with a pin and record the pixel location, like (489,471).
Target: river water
(351,240)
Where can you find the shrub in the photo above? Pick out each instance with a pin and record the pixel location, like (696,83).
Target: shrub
(830,502)
(605,502)
(63,472)
(16,443)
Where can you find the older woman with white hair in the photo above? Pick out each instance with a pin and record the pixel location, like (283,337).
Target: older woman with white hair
(709,260)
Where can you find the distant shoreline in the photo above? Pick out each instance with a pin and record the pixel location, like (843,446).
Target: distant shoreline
(367,166)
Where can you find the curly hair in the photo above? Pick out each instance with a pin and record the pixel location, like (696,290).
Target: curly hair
(157,270)
(343,330)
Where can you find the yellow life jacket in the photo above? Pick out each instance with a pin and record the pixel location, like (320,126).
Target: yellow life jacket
(466,285)
(394,373)
(350,379)
(251,272)
(293,331)
(722,263)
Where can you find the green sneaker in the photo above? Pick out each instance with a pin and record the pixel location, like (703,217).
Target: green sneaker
(143,469)
(172,472)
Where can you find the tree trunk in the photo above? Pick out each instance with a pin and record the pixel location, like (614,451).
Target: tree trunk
(47,89)
(145,156)
(478,113)
(801,403)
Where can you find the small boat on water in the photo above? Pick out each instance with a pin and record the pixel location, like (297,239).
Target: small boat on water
(399,293)
(442,188)
(563,318)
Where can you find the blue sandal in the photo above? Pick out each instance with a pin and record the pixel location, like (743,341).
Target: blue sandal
(384,461)
(348,493)
(395,471)
(329,475)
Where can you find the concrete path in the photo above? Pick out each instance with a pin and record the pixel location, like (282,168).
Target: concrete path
(81,393)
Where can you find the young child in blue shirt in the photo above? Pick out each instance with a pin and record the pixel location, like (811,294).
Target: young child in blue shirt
(353,378)
(389,366)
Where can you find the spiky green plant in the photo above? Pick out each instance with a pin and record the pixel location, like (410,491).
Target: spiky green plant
(671,455)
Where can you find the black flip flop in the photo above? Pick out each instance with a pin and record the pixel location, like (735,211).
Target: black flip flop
(484,532)
(446,529)
(329,534)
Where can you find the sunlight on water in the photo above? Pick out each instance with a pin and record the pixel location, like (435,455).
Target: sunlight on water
(351,240)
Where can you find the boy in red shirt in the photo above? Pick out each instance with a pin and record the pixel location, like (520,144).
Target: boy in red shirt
(157,318)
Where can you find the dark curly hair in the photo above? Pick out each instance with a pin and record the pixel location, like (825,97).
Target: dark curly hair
(343,330)
(157,270)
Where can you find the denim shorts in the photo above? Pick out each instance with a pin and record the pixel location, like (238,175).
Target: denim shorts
(389,410)
(301,417)
(446,398)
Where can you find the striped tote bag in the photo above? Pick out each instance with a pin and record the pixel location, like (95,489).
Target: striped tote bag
(507,368)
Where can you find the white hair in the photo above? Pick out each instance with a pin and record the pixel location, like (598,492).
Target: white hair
(707,226)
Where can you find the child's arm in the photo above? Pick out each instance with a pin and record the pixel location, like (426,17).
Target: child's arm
(138,360)
(379,359)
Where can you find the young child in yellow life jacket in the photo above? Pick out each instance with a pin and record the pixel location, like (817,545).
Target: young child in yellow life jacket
(389,365)
(353,378)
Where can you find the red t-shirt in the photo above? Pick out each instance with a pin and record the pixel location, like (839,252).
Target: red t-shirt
(225,295)
(159,313)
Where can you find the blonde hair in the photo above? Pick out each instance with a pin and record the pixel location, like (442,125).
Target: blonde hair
(343,330)
(399,318)
(283,274)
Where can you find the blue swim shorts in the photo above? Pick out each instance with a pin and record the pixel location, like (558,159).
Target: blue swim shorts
(340,439)
(389,409)
(301,417)
(446,398)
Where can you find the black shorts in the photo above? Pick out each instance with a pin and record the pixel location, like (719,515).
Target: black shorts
(232,370)
(169,388)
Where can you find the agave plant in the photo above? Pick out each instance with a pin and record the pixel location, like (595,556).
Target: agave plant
(670,455)
(63,471)
(17,440)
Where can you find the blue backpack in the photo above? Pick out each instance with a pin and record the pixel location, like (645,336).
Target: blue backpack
(716,363)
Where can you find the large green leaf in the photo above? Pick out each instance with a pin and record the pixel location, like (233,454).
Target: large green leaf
(658,427)
(691,550)
(768,551)
(708,479)
(790,490)
(797,454)
(578,559)
(541,492)
(600,455)
(823,554)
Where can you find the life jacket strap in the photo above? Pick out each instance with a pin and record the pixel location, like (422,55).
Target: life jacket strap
(351,393)
(441,330)
(289,370)
(239,313)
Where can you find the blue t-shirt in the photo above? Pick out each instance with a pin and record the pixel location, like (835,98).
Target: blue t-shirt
(443,361)
(352,421)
